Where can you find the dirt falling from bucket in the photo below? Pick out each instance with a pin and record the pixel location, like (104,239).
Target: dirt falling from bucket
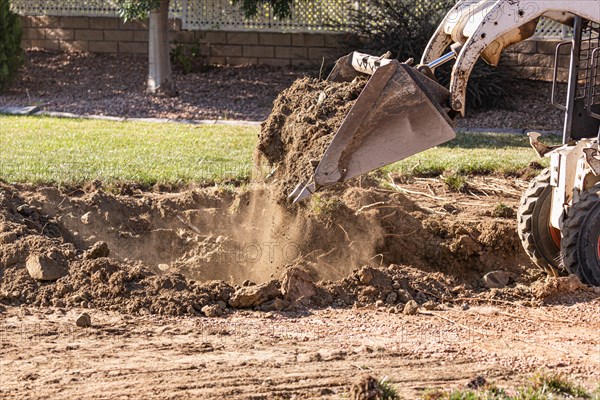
(304,119)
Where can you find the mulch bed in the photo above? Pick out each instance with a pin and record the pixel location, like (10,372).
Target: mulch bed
(105,84)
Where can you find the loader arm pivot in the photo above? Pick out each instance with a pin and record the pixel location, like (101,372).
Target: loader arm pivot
(504,17)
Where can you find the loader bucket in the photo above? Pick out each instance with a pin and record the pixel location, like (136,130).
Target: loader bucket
(399,113)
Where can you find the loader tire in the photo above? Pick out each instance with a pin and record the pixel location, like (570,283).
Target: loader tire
(540,241)
(581,237)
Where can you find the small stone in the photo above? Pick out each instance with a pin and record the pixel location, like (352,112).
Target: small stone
(411,308)
(465,307)
(496,279)
(212,311)
(84,320)
(164,267)
(85,218)
(45,268)
(596,289)
(222,305)
(379,303)
(430,305)
(220,239)
(98,250)
(248,282)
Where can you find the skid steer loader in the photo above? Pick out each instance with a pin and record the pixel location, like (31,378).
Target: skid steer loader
(403,110)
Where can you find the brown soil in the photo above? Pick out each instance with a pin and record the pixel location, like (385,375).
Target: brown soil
(315,355)
(304,119)
(174,253)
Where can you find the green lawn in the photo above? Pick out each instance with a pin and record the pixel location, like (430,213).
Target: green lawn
(474,153)
(73,151)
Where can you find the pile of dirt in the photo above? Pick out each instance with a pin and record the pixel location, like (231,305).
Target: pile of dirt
(304,119)
(203,251)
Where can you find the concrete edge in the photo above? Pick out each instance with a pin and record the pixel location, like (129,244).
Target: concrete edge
(59,114)
(34,110)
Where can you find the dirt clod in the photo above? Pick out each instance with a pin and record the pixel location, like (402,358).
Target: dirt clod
(98,250)
(84,320)
(411,308)
(44,267)
(212,311)
(366,388)
(297,285)
(430,305)
(477,382)
(250,296)
(496,279)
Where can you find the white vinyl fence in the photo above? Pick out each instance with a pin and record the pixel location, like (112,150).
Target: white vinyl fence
(307,15)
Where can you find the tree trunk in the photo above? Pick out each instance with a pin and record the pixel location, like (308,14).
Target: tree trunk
(160,76)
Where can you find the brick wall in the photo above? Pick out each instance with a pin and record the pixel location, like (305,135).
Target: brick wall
(535,60)
(531,59)
(111,35)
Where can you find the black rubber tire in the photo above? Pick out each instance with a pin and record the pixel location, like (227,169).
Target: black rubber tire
(533,223)
(581,230)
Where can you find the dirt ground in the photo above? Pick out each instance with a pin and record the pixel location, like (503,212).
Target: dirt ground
(311,354)
(68,82)
(151,337)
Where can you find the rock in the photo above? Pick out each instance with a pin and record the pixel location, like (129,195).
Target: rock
(297,285)
(212,311)
(251,296)
(430,305)
(496,279)
(274,305)
(411,308)
(85,218)
(84,320)
(46,267)
(366,388)
(98,250)
(164,267)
